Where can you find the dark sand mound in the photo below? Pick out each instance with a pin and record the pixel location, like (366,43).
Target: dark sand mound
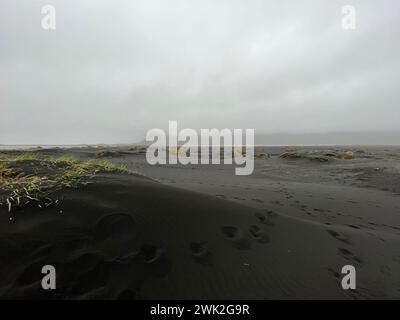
(130,237)
(284,232)
(124,236)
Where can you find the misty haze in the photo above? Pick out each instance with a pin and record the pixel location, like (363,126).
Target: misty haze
(108,73)
(108,190)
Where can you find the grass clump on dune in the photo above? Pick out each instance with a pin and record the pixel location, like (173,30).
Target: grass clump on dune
(31,178)
(29,156)
(345,155)
(263,156)
(110,167)
(310,156)
(62,161)
(22,191)
(324,156)
(292,154)
(105,153)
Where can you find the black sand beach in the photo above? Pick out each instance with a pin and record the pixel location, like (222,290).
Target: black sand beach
(200,232)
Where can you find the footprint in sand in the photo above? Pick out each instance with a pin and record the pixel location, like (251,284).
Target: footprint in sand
(201,253)
(222,196)
(271,213)
(152,259)
(236,237)
(338,236)
(396,259)
(352,226)
(258,234)
(231,233)
(348,255)
(150,253)
(263,219)
(113,225)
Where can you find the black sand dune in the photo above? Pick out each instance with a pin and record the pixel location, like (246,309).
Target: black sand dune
(130,237)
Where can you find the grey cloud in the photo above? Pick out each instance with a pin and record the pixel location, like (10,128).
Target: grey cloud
(114,69)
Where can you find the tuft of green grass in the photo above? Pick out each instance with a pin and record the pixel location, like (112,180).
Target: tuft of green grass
(345,155)
(108,166)
(323,156)
(28,156)
(80,173)
(3,165)
(263,155)
(74,178)
(6,172)
(24,190)
(309,156)
(292,155)
(19,190)
(63,160)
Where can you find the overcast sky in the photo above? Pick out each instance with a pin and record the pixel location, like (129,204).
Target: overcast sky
(114,69)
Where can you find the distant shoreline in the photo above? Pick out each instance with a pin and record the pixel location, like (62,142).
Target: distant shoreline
(4,147)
